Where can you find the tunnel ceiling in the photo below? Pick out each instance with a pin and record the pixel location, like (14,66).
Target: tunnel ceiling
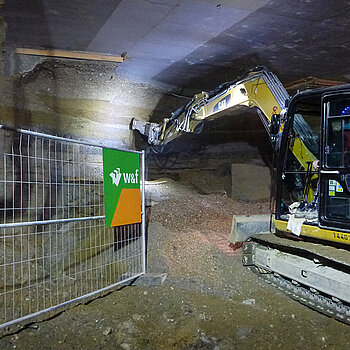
(193,43)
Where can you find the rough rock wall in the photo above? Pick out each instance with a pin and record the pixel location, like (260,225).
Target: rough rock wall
(83,99)
(78,99)
(2,36)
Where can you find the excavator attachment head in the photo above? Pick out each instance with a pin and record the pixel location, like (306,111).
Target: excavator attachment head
(150,130)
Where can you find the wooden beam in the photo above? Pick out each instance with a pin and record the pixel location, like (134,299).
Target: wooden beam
(311,83)
(70,54)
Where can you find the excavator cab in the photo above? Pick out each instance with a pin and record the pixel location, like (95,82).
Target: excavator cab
(317,131)
(299,149)
(335,161)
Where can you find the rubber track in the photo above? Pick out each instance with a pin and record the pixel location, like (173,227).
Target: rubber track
(313,299)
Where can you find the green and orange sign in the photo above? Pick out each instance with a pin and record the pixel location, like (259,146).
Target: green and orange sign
(121,172)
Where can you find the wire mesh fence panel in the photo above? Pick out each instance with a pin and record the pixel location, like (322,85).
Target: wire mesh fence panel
(54,247)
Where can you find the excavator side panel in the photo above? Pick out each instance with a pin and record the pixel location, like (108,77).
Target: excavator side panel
(313,231)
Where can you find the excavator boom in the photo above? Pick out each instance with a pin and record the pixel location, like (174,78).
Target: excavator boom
(258,88)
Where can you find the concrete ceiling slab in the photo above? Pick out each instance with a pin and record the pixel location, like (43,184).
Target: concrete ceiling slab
(165,34)
(309,10)
(291,47)
(193,44)
(128,24)
(68,25)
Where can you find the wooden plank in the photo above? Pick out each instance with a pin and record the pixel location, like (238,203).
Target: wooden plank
(70,54)
(311,83)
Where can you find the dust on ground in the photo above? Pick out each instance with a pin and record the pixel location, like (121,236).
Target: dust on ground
(208,301)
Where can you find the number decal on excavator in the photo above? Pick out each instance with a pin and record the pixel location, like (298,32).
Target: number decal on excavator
(341,236)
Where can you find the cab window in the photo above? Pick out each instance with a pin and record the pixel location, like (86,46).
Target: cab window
(338,139)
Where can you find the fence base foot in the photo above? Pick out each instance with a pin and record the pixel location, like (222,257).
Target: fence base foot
(150,279)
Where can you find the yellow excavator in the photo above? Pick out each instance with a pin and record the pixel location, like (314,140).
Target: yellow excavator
(308,254)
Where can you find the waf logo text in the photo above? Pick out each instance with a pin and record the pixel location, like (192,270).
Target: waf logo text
(129,178)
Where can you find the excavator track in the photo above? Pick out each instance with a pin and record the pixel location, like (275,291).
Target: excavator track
(314,300)
(291,266)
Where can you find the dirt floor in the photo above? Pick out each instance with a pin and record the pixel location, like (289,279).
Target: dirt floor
(208,301)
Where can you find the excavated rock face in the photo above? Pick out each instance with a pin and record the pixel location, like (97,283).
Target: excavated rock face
(81,99)
(236,144)
(92,101)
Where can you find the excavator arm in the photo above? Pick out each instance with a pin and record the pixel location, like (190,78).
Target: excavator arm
(258,88)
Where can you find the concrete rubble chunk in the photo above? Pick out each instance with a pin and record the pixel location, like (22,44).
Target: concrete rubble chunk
(107,331)
(125,346)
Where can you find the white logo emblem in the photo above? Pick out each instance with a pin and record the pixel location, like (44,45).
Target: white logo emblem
(116,175)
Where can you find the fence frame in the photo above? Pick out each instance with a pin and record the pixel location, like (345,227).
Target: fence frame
(124,281)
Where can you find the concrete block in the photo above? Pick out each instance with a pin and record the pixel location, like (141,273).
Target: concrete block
(250,182)
(244,226)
